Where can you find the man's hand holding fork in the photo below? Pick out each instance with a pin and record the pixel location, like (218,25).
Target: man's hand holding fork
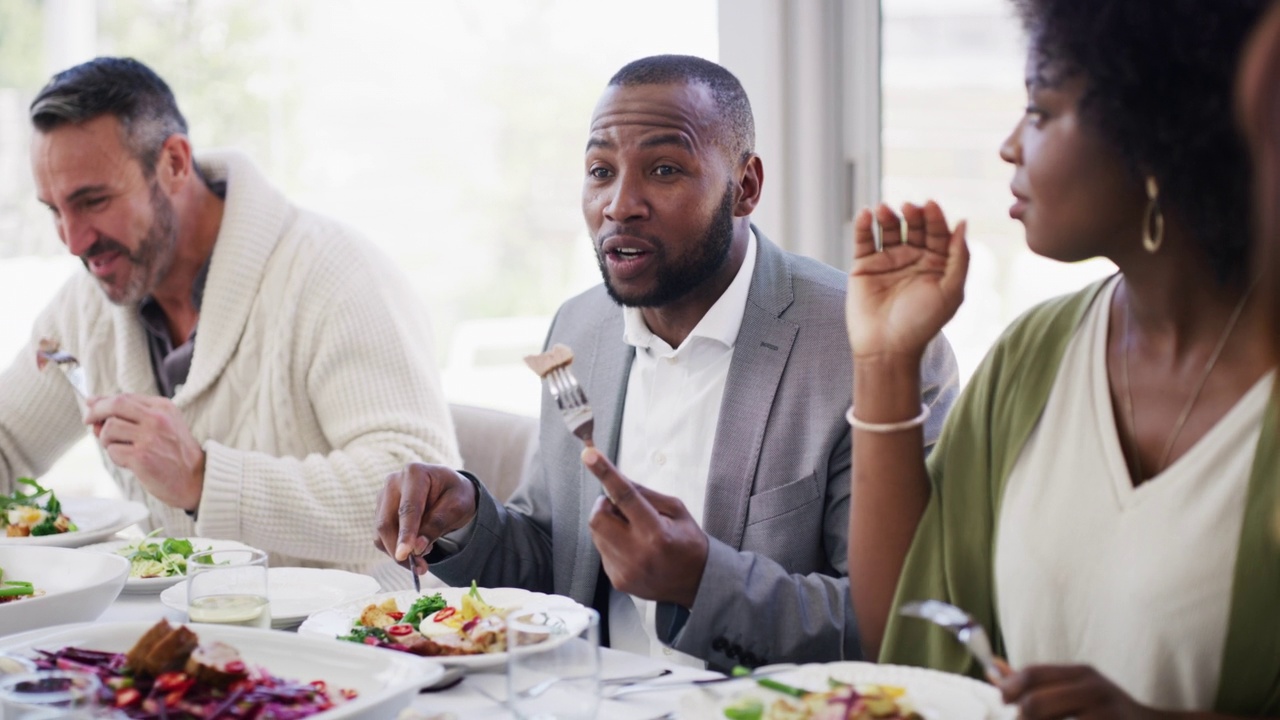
(417,506)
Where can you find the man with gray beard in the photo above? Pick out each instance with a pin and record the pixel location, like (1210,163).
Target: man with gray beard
(718,369)
(252,369)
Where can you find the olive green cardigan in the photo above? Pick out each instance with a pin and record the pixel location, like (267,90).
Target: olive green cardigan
(951,557)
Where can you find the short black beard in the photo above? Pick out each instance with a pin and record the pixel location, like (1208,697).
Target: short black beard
(677,280)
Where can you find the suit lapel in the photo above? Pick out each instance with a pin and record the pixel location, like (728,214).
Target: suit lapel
(759,356)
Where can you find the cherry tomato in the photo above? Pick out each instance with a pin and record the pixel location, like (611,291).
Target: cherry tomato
(127,696)
(169,681)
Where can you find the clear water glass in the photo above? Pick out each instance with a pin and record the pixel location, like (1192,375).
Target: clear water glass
(228,587)
(48,694)
(553,664)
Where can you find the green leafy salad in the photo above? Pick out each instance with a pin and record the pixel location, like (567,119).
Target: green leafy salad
(153,557)
(33,512)
(422,608)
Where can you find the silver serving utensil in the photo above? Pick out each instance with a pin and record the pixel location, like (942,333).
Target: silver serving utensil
(967,630)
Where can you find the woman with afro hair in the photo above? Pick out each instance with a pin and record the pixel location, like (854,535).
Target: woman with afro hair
(1101,497)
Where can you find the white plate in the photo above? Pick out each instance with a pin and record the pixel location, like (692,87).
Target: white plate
(155,585)
(96,519)
(935,695)
(77,587)
(295,593)
(385,682)
(337,620)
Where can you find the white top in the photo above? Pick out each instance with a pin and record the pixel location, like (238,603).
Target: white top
(668,428)
(1134,581)
(312,380)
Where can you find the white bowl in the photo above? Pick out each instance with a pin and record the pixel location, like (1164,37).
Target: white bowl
(77,586)
(385,681)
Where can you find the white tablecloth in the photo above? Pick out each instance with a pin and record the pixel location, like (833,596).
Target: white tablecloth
(480,693)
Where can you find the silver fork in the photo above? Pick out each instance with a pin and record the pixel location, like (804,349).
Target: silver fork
(572,402)
(967,630)
(70,368)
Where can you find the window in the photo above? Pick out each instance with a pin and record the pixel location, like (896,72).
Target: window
(450,133)
(952,89)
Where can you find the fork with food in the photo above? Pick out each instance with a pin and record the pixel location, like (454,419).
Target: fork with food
(553,367)
(48,352)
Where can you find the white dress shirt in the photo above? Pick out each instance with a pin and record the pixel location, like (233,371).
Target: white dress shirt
(668,430)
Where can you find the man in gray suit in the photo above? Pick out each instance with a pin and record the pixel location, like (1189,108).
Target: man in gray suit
(719,372)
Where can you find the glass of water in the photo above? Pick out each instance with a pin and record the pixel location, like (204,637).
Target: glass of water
(49,694)
(228,587)
(553,663)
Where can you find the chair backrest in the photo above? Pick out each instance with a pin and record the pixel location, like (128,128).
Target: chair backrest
(496,446)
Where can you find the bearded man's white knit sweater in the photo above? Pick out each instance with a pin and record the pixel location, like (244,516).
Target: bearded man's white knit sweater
(313,378)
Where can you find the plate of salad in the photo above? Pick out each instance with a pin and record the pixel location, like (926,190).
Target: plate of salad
(463,626)
(156,562)
(847,691)
(34,515)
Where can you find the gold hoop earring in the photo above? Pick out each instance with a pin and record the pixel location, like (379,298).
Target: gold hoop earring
(1152,238)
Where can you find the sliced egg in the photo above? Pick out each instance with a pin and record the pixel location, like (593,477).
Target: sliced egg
(26,515)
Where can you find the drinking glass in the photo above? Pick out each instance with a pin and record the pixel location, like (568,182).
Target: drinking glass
(228,587)
(49,694)
(553,664)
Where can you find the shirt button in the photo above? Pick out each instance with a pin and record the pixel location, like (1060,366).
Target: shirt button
(666,651)
(659,459)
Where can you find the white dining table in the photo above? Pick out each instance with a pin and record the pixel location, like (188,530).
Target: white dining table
(480,694)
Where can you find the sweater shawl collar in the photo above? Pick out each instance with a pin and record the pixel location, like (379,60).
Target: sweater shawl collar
(254,217)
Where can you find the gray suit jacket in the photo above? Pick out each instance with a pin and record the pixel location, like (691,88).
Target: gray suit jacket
(775,586)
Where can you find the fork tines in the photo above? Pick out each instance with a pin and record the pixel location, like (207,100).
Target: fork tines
(572,401)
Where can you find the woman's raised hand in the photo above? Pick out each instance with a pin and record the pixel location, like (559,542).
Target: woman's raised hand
(901,296)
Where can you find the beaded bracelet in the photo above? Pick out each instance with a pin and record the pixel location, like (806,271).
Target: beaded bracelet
(914,422)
